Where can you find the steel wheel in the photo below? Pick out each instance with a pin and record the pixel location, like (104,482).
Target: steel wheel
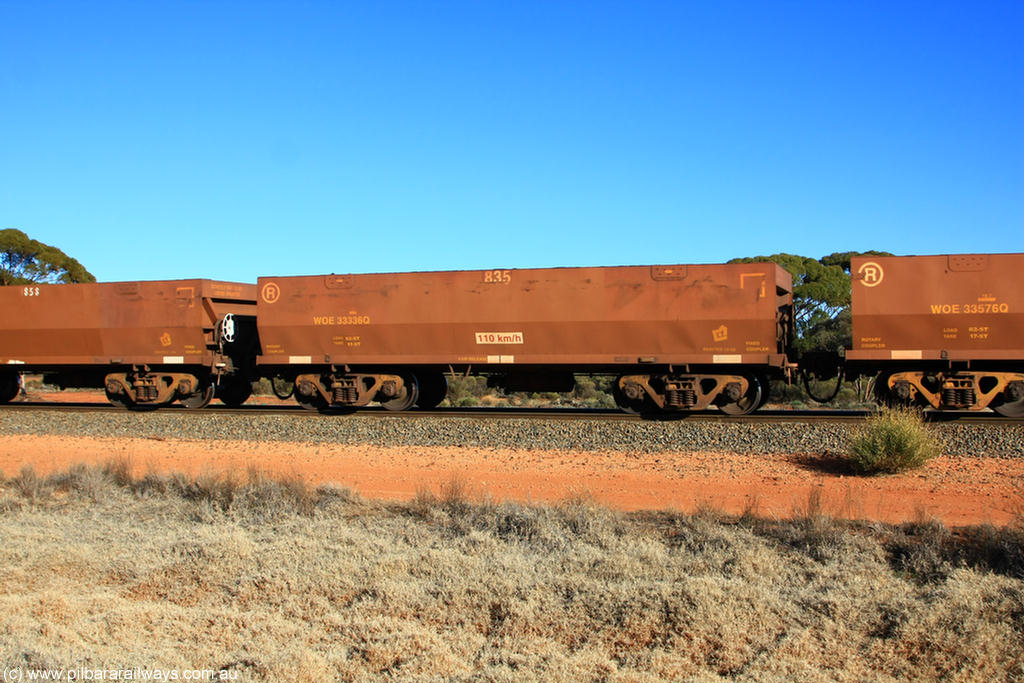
(1014,409)
(626,404)
(766,390)
(9,387)
(407,399)
(314,402)
(198,399)
(119,400)
(883,396)
(433,389)
(747,403)
(234,392)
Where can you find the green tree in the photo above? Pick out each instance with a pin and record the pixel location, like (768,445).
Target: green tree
(820,292)
(24,260)
(821,297)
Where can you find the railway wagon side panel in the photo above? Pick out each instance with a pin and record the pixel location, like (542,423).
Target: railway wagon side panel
(941,331)
(48,324)
(158,322)
(560,316)
(952,307)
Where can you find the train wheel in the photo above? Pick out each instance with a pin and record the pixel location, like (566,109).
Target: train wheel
(633,406)
(407,398)
(747,403)
(199,399)
(234,392)
(1010,403)
(119,400)
(314,402)
(766,390)
(433,389)
(9,387)
(1014,409)
(318,404)
(883,394)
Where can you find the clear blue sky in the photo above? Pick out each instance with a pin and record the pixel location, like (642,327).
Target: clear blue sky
(229,140)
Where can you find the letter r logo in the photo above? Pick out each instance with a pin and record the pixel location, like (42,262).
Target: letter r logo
(871,274)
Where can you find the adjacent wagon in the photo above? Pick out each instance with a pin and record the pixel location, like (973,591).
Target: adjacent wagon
(942,331)
(146,343)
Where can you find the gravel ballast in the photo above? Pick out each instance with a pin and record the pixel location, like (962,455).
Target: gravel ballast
(966,439)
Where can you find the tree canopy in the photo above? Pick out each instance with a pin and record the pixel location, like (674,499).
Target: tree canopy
(24,260)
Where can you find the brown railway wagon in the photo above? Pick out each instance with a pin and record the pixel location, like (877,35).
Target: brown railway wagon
(678,337)
(146,343)
(945,331)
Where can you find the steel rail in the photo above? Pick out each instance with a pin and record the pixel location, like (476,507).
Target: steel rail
(534,413)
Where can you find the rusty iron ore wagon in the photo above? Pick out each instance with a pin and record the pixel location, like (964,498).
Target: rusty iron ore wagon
(683,337)
(941,331)
(147,343)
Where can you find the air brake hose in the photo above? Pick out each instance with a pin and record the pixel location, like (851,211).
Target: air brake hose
(273,387)
(807,386)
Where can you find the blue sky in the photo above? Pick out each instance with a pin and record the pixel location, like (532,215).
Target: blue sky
(156,140)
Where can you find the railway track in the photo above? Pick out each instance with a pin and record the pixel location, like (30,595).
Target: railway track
(483,413)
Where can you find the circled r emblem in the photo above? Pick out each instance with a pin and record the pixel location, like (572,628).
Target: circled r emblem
(871,274)
(271,292)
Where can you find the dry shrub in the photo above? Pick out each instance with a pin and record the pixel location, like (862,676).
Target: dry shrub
(816,532)
(83,480)
(921,551)
(894,440)
(455,495)
(268,498)
(216,489)
(452,505)
(424,502)
(29,485)
(120,471)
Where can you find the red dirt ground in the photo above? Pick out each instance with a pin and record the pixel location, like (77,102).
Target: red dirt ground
(956,491)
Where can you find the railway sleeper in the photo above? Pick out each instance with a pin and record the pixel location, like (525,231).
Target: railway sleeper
(959,390)
(684,392)
(147,388)
(353,389)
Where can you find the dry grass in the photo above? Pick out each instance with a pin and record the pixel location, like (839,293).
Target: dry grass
(281,581)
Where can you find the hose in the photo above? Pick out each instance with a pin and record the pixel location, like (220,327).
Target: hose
(807,386)
(284,397)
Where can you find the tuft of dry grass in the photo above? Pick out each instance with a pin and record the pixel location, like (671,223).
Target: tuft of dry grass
(894,440)
(278,580)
